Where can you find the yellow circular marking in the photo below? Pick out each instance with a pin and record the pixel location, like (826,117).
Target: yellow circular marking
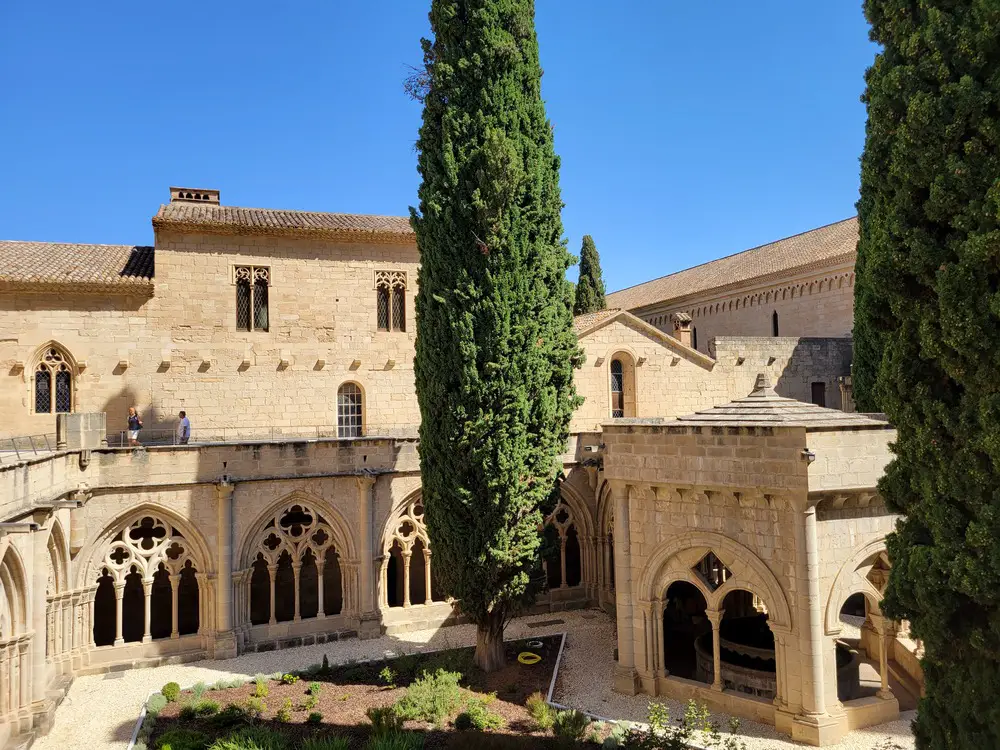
(526,657)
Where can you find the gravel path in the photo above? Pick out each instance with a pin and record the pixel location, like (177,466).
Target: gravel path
(104,710)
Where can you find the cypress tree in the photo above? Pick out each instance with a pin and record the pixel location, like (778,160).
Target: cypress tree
(928,303)
(495,348)
(590,287)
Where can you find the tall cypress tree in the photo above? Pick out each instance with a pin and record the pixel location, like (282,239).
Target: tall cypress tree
(495,347)
(928,303)
(590,287)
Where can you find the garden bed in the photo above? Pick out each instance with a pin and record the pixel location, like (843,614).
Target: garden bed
(339,698)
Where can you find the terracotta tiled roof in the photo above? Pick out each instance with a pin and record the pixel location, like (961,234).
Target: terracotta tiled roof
(216,219)
(834,242)
(56,265)
(588,320)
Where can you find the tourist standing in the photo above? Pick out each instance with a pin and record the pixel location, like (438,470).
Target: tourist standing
(134,425)
(183,429)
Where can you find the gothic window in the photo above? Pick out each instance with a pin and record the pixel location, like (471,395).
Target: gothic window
(390,300)
(147,568)
(350,411)
(407,577)
(53,383)
(774,323)
(296,572)
(617,389)
(563,563)
(252,284)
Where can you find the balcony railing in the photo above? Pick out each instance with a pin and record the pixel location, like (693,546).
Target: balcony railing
(15,449)
(243,434)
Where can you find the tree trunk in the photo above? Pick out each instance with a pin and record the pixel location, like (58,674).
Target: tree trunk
(489,644)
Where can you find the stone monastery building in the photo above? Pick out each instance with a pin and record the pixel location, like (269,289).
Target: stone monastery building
(719,498)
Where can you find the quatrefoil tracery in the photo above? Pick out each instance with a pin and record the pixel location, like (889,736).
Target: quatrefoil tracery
(143,546)
(296,529)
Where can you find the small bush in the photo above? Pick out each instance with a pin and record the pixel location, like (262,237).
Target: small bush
(261,690)
(284,713)
(325,743)
(230,716)
(252,738)
(314,718)
(314,688)
(187,712)
(431,697)
(206,707)
(182,739)
(384,720)
(289,679)
(477,716)
(388,677)
(310,703)
(254,707)
(570,725)
(540,711)
(396,741)
(171,691)
(199,690)
(155,704)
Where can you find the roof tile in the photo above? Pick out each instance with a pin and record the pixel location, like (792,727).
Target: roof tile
(32,265)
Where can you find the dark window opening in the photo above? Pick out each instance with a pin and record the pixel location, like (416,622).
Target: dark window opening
(819,394)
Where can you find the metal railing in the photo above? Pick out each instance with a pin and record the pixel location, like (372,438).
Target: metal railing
(203,435)
(14,449)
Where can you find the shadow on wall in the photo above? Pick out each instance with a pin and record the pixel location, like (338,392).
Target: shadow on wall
(156,424)
(811,371)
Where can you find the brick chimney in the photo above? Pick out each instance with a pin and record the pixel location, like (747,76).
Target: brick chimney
(194,195)
(682,327)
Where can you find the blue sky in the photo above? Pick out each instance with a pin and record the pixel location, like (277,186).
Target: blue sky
(687,131)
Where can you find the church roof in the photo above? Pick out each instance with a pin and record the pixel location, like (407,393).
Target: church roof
(37,266)
(588,320)
(765,408)
(217,219)
(801,252)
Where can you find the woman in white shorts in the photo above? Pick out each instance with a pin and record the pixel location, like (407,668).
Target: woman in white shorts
(134,425)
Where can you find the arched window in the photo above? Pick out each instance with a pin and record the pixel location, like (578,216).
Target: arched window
(617,389)
(296,574)
(774,323)
(390,300)
(563,564)
(147,585)
(407,577)
(53,383)
(694,338)
(350,411)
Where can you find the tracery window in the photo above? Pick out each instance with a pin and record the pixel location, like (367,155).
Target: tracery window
(390,300)
(563,564)
(53,383)
(147,587)
(617,389)
(252,284)
(296,574)
(350,411)
(406,564)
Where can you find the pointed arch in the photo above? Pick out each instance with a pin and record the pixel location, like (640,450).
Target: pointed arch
(852,579)
(53,381)
(13,584)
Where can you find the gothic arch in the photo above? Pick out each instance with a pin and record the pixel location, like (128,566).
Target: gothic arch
(676,556)
(13,605)
(406,574)
(58,558)
(624,400)
(53,360)
(342,537)
(852,579)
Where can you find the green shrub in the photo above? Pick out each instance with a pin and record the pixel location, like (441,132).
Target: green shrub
(310,703)
(289,679)
(228,717)
(187,712)
(155,704)
(431,697)
(570,725)
(388,677)
(206,707)
(314,688)
(284,713)
(182,739)
(314,718)
(199,690)
(540,711)
(254,707)
(171,691)
(325,743)
(396,741)
(477,716)
(252,738)
(384,720)
(261,690)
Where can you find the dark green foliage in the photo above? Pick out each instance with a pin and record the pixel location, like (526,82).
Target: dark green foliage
(432,697)
(325,743)
(570,725)
(396,741)
(540,711)
(171,691)
(252,738)
(314,718)
(229,716)
(385,720)
(477,715)
(928,342)
(495,348)
(590,287)
(182,739)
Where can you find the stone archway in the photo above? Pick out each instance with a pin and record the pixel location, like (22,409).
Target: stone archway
(406,576)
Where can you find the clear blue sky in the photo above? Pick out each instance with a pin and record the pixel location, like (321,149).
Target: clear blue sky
(687,131)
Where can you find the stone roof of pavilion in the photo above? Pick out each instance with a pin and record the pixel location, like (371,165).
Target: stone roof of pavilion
(56,266)
(765,408)
(217,219)
(800,253)
(588,320)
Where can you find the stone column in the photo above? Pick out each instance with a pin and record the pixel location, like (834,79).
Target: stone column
(625,679)
(814,699)
(225,637)
(24,652)
(779,668)
(147,595)
(715,617)
(320,567)
(427,576)
(659,646)
(407,554)
(562,562)
(271,571)
(879,621)
(119,595)
(384,582)
(175,582)
(37,601)
(296,570)
(369,620)
(4,683)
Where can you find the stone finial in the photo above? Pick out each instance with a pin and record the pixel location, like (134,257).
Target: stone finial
(762,386)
